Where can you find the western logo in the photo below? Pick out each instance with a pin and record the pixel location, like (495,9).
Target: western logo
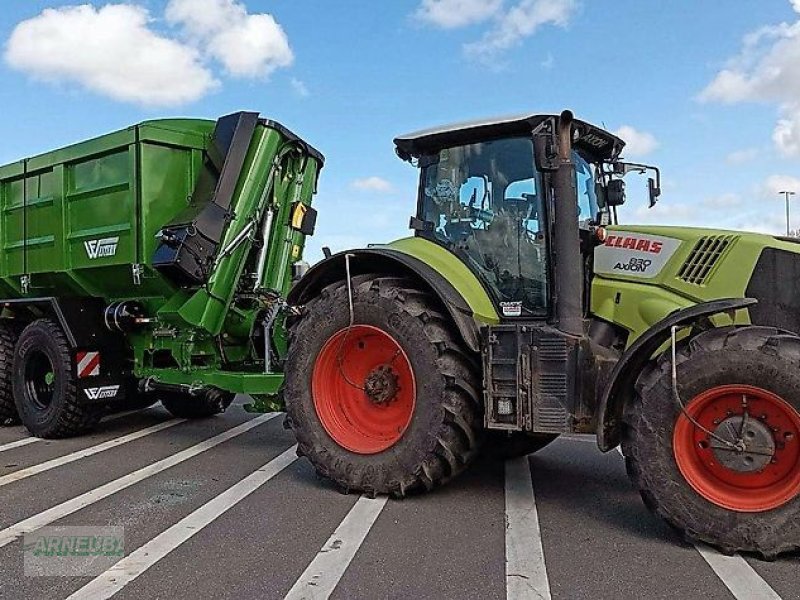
(102,393)
(102,248)
(634,243)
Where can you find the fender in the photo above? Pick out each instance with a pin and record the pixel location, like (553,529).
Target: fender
(619,389)
(393,262)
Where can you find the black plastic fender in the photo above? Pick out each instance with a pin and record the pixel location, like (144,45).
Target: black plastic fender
(619,389)
(390,262)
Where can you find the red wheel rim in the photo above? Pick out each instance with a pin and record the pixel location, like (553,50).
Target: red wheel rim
(364,389)
(772,478)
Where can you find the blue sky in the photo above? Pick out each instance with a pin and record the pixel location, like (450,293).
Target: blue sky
(709,91)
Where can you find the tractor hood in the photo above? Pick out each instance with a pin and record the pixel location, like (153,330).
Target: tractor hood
(644,273)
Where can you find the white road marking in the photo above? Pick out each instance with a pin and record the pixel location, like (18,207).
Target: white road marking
(737,575)
(324,572)
(92,450)
(526,573)
(31,440)
(133,565)
(60,511)
(19,443)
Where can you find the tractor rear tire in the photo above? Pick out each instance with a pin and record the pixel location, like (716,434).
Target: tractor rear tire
(207,404)
(738,502)
(390,405)
(45,387)
(8,410)
(502,446)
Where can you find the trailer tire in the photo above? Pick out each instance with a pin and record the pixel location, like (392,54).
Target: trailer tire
(425,432)
(683,478)
(207,404)
(45,390)
(502,446)
(8,410)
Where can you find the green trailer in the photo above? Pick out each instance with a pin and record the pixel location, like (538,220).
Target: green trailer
(150,264)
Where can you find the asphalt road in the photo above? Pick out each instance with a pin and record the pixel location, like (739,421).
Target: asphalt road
(222,508)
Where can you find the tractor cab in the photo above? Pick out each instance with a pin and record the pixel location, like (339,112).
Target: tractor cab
(486,192)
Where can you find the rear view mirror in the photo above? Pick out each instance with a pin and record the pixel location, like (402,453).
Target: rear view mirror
(545,146)
(653,190)
(616,193)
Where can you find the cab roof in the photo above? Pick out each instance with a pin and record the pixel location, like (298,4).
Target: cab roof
(597,142)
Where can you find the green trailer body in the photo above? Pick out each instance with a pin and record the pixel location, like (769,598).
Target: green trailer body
(163,252)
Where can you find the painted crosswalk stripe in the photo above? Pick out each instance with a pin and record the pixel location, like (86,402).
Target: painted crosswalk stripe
(18,443)
(738,576)
(91,451)
(324,573)
(60,511)
(526,574)
(139,561)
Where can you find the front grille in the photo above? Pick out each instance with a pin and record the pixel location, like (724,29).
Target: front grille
(703,257)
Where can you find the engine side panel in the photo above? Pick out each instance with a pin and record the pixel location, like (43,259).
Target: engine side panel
(776,285)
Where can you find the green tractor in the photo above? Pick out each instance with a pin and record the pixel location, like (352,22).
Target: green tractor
(520,310)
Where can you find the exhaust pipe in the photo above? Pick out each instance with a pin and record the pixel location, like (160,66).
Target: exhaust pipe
(566,239)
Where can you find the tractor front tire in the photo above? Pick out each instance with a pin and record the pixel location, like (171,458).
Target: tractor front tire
(743,385)
(388,404)
(207,404)
(8,338)
(45,390)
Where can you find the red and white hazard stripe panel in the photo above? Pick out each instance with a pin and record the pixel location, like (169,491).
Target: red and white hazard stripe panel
(88,364)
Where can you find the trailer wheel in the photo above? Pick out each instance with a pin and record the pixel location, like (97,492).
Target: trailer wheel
(45,391)
(8,410)
(502,446)
(207,404)
(738,489)
(389,405)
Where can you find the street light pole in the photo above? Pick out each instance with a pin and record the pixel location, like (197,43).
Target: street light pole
(786,195)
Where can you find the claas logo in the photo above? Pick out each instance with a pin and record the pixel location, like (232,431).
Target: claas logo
(634,243)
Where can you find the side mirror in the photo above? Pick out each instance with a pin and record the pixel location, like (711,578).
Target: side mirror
(653,190)
(616,193)
(545,146)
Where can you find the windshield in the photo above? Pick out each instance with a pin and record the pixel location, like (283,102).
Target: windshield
(587,199)
(484,201)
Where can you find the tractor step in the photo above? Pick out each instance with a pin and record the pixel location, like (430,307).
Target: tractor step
(526,382)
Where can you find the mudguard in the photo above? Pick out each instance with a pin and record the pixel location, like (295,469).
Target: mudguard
(619,389)
(384,260)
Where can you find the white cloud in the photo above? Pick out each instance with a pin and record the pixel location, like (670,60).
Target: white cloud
(111,51)
(300,88)
(372,184)
(449,14)
(723,201)
(247,45)
(775,184)
(520,21)
(637,143)
(767,69)
(740,157)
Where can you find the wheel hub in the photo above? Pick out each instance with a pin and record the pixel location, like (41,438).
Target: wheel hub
(738,447)
(364,389)
(382,385)
(750,444)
